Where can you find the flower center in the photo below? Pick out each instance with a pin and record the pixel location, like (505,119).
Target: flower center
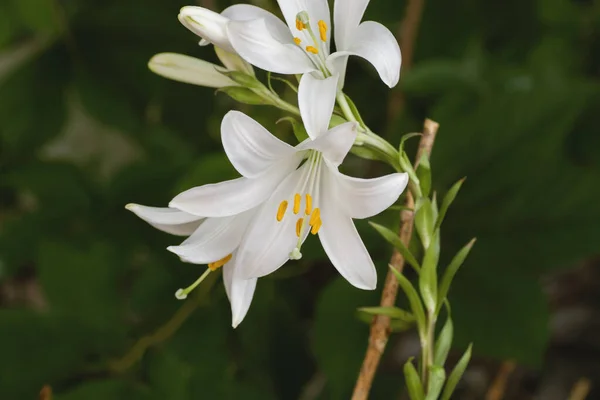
(181,294)
(309,217)
(315,49)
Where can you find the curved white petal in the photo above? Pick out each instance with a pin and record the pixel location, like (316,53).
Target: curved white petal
(207,24)
(347,14)
(246,12)
(234,196)
(341,241)
(334,144)
(337,63)
(267,244)
(363,198)
(239,291)
(249,146)
(316,99)
(168,220)
(317,10)
(215,239)
(187,69)
(376,44)
(254,40)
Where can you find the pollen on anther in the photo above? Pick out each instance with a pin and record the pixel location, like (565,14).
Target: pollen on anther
(300,25)
(314,217)
(297,200)
(312,49)
(218,264)
(308,204)
(299,225)
(316,227)
(281,210)
(323,30)
(297,40)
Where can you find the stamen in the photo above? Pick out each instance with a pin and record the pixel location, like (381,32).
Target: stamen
(308,204)
(297,40)
(299,225)
(312,49)
(300,25)
(218,264)
(323,30)
(281,210)
(316,227)
(315,216)
(297,200)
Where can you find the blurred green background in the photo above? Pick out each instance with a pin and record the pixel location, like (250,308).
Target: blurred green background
(85,128)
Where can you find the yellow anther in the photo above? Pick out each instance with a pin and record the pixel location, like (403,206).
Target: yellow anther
(312,49)
(297,200)
(323,30)
(300,25)
(218,264)
(281,210)
(314,217)
(299,225)
(316,227)
(308,204)
(297,40)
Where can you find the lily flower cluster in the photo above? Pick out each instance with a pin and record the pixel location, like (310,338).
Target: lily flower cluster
(253,225)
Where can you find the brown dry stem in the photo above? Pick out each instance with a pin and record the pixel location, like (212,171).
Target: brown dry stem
(380,327)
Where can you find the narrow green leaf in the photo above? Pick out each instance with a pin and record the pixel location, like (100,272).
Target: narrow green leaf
(457,373)
(290,84)
(437,376)
(413,383)
(428,284)
(424,221)
(395,241)
(397,325)
(424,174)
(392,312)
(455,264)
(448,199)
(413,298)
(405,138)
(443,342)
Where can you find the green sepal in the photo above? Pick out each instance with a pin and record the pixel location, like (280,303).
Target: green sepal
(456,374)
(413,298)
(448,276)
(395,241)
(448,199)
(298,128)
(424,175)
(413,383)
(245,80)
(428,284)
(424,220)
(243,95)
(435,383)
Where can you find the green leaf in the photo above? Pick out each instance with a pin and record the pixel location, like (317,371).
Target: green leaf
(456,374)
(395,241)
(451,271)
(428,284)
(448,199)
(424,174)
(413,299)
(392,312)
(424,221)
(437,376)
(413,382)
(443,342)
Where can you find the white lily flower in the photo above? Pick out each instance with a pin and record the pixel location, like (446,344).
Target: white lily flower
(304,44)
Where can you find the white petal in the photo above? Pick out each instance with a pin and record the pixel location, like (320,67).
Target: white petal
(168,220)
(239,291)
(317,10)
(249,146)
(246,12)
(316,98)
(234,196)
(337,63)
(215,239)
(363,198)
(233,62)
(376,44)
(256,42)
(334,144)
(346,17)
(189,70)
(342,243)
(267,243)
(207,24)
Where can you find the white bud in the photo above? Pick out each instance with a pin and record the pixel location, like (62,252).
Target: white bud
(209,25)
(187,69)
